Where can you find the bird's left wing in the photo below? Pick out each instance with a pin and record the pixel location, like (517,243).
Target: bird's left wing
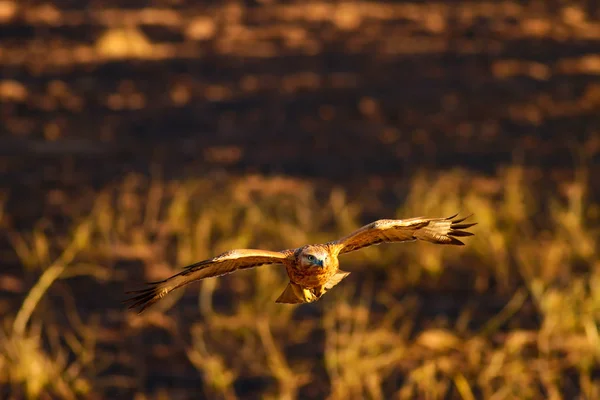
(225,263)
(435,230)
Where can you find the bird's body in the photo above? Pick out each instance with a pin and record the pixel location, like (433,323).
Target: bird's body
(312,269)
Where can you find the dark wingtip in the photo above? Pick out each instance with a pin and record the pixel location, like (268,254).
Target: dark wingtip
(463,226)
(455,241)
(456,229)
(461,233)
(456,221)
(143,298)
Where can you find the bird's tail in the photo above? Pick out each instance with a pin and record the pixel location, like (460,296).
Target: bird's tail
(295,294)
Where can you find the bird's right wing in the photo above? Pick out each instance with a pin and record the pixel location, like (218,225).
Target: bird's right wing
(220,265)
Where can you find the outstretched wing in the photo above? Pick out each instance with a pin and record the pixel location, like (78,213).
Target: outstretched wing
(225,263)
(435,230)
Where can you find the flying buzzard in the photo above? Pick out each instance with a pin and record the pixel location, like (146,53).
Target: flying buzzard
(312,269)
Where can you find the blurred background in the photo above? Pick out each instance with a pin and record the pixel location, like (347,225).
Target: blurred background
(140,136)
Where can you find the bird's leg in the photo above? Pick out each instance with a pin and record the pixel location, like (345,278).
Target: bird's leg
(307,294)
(319,291)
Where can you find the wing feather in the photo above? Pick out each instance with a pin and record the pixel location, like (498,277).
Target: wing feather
(222,264)
(435,230)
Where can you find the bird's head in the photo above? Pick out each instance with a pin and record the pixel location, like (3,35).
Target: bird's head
(314,256)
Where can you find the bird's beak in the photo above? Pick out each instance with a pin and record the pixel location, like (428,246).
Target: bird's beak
(319,263)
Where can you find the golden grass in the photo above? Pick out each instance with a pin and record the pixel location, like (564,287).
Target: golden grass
(368,338)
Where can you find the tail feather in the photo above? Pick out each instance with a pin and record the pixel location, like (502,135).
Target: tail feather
(295,294)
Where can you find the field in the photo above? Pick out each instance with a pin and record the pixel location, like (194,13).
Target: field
(139,138)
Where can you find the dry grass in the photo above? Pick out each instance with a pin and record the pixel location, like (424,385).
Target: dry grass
(534,256)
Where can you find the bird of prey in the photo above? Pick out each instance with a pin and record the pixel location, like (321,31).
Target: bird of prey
(312,269)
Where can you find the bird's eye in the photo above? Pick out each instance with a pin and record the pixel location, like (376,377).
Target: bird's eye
(311,258)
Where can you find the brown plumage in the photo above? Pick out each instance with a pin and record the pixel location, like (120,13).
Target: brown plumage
(312,269)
